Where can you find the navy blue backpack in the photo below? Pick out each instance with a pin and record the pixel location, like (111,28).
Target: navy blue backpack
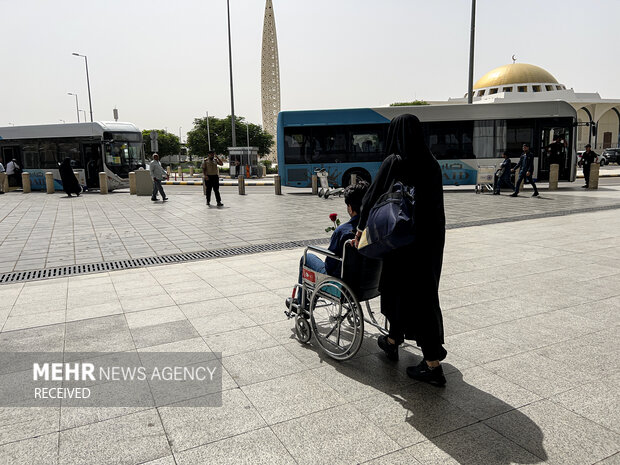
(390,222)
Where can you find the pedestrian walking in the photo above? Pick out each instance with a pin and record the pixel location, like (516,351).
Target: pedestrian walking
(70,184)
(409,282)
(158,173)
(210,173)
(14,172)
(526,172)
(588,157)
(502,176)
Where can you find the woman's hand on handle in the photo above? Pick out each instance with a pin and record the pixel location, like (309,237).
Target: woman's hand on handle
(356,240)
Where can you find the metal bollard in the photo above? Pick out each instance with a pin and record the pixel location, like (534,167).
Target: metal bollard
(278,184)
(103,183)
(133,190)
(26,188)
(594,174)
(554,173)
(49,182)
(353,181)
(241,181)
(315,184)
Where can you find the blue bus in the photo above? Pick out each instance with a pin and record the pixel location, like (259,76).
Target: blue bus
(462,137)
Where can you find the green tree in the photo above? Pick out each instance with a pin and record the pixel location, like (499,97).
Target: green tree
(220,130)
(406,104)
(168,143)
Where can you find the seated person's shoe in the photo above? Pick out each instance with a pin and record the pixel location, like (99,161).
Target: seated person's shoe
(422,372)
(291,305)
(391,350)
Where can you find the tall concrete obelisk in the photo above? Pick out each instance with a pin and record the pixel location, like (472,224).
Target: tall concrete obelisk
(270,72)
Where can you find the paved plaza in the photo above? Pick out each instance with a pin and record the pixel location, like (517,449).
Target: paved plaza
(40,231)
(530,308)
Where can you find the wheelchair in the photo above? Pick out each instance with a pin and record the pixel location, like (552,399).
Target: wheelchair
(331,308)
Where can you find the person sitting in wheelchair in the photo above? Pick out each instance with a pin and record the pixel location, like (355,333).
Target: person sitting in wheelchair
(353,196)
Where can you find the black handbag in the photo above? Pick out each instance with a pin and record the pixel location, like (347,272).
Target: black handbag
(391,222)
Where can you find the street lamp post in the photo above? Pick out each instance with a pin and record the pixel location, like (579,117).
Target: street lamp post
(232,98)
(180,141)
(470,86)
(208,132)
(90,104)
(76,104)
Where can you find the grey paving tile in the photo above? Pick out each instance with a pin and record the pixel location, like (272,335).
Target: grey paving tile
(261,365)
(135,304)
(133,438)
(555,434)
(220,323)
(43,339)
(260,446)
(163,333)
(154,316)
(20,423)
(239,341)
(105,334)
(291,396)
(483,394)
(42,450)
(207,307)
(472,445)
(82,312)
(413,413)
(33,320)
(337,435)
(594,401)
(189,427)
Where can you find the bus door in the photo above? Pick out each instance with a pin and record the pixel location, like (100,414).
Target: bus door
(554,148)
(10,152)
(93,162)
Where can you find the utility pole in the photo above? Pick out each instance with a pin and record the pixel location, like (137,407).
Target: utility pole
(232,98)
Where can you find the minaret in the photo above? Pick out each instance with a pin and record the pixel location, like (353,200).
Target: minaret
(270,72)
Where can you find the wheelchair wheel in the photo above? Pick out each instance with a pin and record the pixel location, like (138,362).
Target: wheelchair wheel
(321,192)
(337,319)
(326,194)
(302,329)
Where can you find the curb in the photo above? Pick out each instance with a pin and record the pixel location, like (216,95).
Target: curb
(223,183)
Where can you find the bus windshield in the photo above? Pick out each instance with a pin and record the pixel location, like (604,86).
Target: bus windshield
(124,153)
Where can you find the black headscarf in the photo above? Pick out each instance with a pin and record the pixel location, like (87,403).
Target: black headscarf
(406,138)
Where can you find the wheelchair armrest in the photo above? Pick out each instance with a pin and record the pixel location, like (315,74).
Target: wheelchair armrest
(323,251)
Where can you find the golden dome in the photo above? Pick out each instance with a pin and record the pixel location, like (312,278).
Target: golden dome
(515,73)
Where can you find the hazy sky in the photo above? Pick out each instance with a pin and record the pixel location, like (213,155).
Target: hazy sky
(163,63)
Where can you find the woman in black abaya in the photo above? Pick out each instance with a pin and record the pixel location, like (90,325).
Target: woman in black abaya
(70,184)
(410,278)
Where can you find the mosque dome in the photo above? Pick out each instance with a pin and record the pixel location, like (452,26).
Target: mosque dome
(517,77)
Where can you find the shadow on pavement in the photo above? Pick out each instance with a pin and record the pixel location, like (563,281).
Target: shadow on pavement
(452,419)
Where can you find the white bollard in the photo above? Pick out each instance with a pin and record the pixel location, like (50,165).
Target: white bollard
(26,188)
(132,183)
(103,183)
(49,182)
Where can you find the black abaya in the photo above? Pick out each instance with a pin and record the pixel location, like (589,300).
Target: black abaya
(410,278)
(70,184)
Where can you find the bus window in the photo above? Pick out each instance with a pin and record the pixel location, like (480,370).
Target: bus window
(450,140)
(367,144)
(47,155)
(30,152)
(71,150)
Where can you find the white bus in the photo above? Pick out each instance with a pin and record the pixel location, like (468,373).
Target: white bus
(111,147)
(462,137)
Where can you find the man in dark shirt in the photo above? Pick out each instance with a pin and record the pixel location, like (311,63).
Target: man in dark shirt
(353,196)
(526,163)
(588,157)
(502,176)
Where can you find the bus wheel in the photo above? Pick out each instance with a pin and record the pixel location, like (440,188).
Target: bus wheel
(358,172)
